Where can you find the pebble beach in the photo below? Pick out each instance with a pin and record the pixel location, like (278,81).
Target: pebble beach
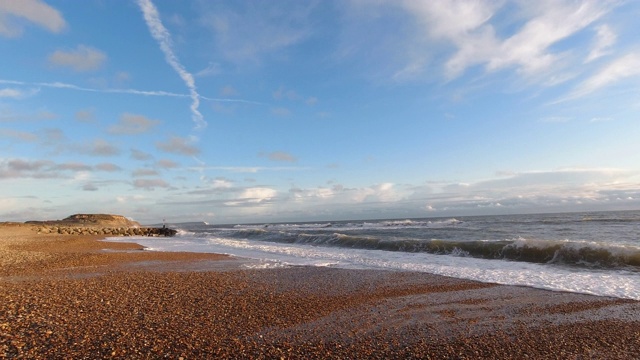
(73,296)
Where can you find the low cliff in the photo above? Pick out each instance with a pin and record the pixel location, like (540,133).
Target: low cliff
(100,219)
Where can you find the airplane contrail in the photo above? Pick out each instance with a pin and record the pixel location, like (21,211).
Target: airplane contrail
(163,37)
(61,85)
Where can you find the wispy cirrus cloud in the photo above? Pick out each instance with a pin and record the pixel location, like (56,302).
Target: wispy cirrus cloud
(452,36)
(605,38)
(530,49)
(211,70)
(34,11)
(253,30)
(621,69)
(163,37)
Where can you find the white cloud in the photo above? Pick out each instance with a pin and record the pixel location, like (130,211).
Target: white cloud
(318,193)
(281,111)
(338,195)
(178,145)
(553,21)
(129,198)
(247,169)
(108,167)
(571,189)
(254,195)
(620,69)
(89,187)
(150,184)
(605,38)
(122,77)
(34,11)
(144,172)
(211,70)
(461,34)
(281,93)
(73,166)
(85,115)
(279,156)
(228,91)
(132,124)
(82,58)
(163,37)
(140,155)
(167,164)
(257,29)
(17,93)
(101,147)
(10,93)
(451,19)
(462,23)
(46,169)
(221,183)
(19,135)
(258,194)
(385,192)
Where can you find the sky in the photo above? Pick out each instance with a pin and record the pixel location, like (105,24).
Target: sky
(282,111)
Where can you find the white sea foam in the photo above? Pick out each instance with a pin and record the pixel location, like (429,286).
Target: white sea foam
(343,226)
(597,282)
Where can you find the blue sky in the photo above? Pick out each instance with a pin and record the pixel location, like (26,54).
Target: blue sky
(262,111)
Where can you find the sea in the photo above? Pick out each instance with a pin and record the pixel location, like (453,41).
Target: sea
(592,252)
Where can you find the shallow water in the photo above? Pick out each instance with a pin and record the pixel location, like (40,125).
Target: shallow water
(592,253)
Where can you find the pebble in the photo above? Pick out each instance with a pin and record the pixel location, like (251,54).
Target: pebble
(57,311)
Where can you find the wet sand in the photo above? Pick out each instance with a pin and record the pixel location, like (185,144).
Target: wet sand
(65,296)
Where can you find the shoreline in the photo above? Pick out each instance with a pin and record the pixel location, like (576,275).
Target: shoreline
(64,296)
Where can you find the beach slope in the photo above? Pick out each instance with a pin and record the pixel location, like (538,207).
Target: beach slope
(71,296)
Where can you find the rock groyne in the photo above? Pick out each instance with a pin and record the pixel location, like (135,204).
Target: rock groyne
(106,231)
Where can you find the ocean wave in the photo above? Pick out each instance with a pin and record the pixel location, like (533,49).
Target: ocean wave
(580,253)
(378,224)
(182,232)
(413,223)
(586,254)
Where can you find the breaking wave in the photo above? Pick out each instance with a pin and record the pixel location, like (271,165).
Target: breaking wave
(586,254)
